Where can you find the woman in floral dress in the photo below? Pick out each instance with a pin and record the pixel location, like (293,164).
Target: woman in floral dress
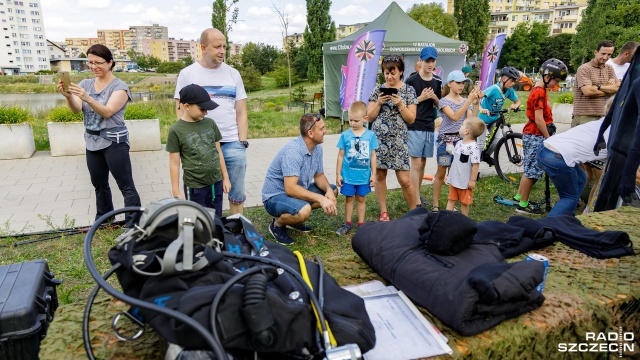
(390,115)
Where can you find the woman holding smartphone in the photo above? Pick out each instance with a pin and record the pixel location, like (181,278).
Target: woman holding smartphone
(103,100)
(391,107)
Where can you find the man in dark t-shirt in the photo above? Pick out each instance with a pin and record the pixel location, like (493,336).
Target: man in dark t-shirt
(428,87)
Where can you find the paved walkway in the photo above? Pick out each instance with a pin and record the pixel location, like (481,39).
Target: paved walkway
(46,191)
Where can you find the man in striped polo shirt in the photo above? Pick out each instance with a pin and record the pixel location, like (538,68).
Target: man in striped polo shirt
(595,81)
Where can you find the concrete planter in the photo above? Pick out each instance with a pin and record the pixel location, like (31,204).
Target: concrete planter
(16,141)
(67,139)
(562,113)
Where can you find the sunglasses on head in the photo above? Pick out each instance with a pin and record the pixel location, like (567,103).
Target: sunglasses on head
(391,58)
(317,118)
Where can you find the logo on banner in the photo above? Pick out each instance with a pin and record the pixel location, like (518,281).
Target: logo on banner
(492,53)
(463,48)
(365,50)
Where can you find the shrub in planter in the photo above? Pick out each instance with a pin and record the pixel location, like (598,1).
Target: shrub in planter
(566,98)
(16,135)
(64,114)
(140,110)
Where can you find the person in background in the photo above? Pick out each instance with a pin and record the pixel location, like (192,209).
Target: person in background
(390,115)
(552,72)
(416,67)
(464,167)
(468,86)
(621,63)
(428,87)
(356,167)
(295,182)
(194,141)
(224,85)
(454,109)
(493,99)
(103,100)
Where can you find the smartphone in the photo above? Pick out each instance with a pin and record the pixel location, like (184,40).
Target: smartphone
(388,91)
(66,80)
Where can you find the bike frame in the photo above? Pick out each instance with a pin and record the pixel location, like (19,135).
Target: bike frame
(500,123)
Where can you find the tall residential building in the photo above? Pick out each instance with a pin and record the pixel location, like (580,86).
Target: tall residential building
(77,46)
(115,39)
(342,31)
(234,49)
(138,33)
(23,44)
(171,49)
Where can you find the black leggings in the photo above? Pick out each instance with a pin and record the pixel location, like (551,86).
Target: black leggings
(114,159)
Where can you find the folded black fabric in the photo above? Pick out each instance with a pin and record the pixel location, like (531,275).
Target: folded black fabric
(494,282)
(447,232)
(541,234)
(510,239)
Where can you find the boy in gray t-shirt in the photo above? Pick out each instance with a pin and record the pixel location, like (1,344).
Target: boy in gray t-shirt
(194,141)
(464,167)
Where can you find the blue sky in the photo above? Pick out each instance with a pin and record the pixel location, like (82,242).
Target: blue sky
(258,21)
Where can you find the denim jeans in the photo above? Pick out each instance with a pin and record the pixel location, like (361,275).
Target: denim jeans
(235,158)
(114,159)
(285,204)
(569,181)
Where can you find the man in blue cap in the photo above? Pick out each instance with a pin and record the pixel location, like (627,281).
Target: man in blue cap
(428,87)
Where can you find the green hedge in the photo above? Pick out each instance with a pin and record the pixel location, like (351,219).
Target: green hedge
(140,110)
(64,114)
(566,98)
(14,115)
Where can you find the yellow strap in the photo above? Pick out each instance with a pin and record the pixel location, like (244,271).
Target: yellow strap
(305,276)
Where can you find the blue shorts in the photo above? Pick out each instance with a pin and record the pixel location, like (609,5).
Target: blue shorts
(285,204)
(444,158)
(531,144)
(235,158)
(421,144)
(359,190)
(208,196)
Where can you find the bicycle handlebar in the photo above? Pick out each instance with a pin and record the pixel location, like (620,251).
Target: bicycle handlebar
(503,111)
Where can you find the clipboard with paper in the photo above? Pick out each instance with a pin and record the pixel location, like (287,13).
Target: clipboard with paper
(402,332)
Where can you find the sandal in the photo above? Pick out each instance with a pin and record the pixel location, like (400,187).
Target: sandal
(384,216)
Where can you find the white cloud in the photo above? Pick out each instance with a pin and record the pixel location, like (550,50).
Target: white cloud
(101,4)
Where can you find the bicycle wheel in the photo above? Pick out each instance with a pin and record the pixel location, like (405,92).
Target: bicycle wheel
(509,158)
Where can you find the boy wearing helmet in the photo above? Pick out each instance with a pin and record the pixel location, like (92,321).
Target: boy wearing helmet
(492,101)
(535,131)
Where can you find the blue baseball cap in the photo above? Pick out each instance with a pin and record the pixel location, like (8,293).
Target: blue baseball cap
(428,52)
(457,76)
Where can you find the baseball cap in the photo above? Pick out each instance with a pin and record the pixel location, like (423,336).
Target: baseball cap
(195,94)
(428,52)
(466,69)
(457,76)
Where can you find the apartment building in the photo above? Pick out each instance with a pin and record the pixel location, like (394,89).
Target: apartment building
(23,44)
(234,49)
(116,39)
(171,49)
(139,33)
(342,31)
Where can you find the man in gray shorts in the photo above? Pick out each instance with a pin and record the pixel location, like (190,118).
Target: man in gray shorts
(428,87)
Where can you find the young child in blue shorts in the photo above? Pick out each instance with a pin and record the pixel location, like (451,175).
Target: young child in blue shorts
(356,172)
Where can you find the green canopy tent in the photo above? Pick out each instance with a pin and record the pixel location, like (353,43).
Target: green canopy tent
(404,36)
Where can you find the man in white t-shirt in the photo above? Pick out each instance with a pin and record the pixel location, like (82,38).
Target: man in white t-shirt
(224,85)
(621,62)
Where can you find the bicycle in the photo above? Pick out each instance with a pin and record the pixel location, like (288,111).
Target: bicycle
(508,155)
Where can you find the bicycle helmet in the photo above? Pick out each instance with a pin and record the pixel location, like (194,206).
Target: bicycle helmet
(510,72)
(555,68)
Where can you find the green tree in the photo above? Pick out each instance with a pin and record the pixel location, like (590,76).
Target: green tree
(320,29)
(615,20)
(523,48)
(251,78)
(153,61)
(187,60)
(472,18)
(433,17)
(170,67)
(559,47)
(260,56)
(132,54)
(219,17)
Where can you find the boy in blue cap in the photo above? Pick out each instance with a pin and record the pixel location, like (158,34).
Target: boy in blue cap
(428,87)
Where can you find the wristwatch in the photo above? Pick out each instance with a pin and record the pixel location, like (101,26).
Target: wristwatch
(598,86)
(245,143)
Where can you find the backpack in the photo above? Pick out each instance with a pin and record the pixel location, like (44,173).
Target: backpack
(182,257)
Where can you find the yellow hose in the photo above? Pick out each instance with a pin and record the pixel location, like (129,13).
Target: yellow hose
(305,276)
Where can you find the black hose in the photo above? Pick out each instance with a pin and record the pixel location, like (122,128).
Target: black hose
(257,313)
(57,231)
(88,257)
(320,282)
(87,314)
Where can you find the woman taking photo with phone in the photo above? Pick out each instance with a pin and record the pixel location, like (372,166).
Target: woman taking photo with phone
(103,100)
(391,107)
